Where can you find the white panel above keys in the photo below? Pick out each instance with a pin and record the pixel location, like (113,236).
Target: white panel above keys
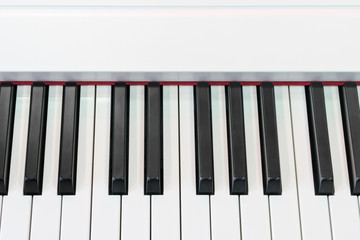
(46,209)
(285,208)
(230,39)
(344,209)
(135,209)
(16,212)
(75,219)
(195,211)
(254,207)
(314,210)
(165,209)
(105,218)
(225,212)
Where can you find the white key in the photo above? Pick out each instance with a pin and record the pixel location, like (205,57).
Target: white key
(345,219)
(1,200)
(358,90)
(195,215)
(135,219)
(46,210)
(254,207)
(105,219)
(165,209)
(285,208)
(314,211)
(16,212)
(75,220)
(225,218)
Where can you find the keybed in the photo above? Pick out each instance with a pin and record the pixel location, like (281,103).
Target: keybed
(195,188)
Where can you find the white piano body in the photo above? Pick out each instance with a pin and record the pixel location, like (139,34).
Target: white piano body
(179,41)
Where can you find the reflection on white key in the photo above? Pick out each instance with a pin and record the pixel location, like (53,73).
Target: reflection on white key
(75,220)
(255,220)
(314,212)
(105,219)
(165,209)
(45,222)
(16,212)
(285,208)
(195,216)
(225,218)
(345,219)
(135,219)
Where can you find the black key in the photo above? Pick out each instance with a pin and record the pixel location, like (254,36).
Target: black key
(351,123)
(153,139)
(36,140)
(7,112)
(319,140)
(69,139)
(203,140)
(119,140)
(269,139)
(236,139)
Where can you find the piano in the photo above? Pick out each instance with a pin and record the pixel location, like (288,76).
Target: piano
(186,120)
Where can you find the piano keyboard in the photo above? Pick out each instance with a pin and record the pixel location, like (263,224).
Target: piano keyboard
(179,162)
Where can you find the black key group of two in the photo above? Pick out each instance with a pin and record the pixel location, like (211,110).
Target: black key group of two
(153,180)
(118,176)
(319,137)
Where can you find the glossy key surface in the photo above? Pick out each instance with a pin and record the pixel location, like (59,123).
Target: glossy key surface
(69,139)
(203,139)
